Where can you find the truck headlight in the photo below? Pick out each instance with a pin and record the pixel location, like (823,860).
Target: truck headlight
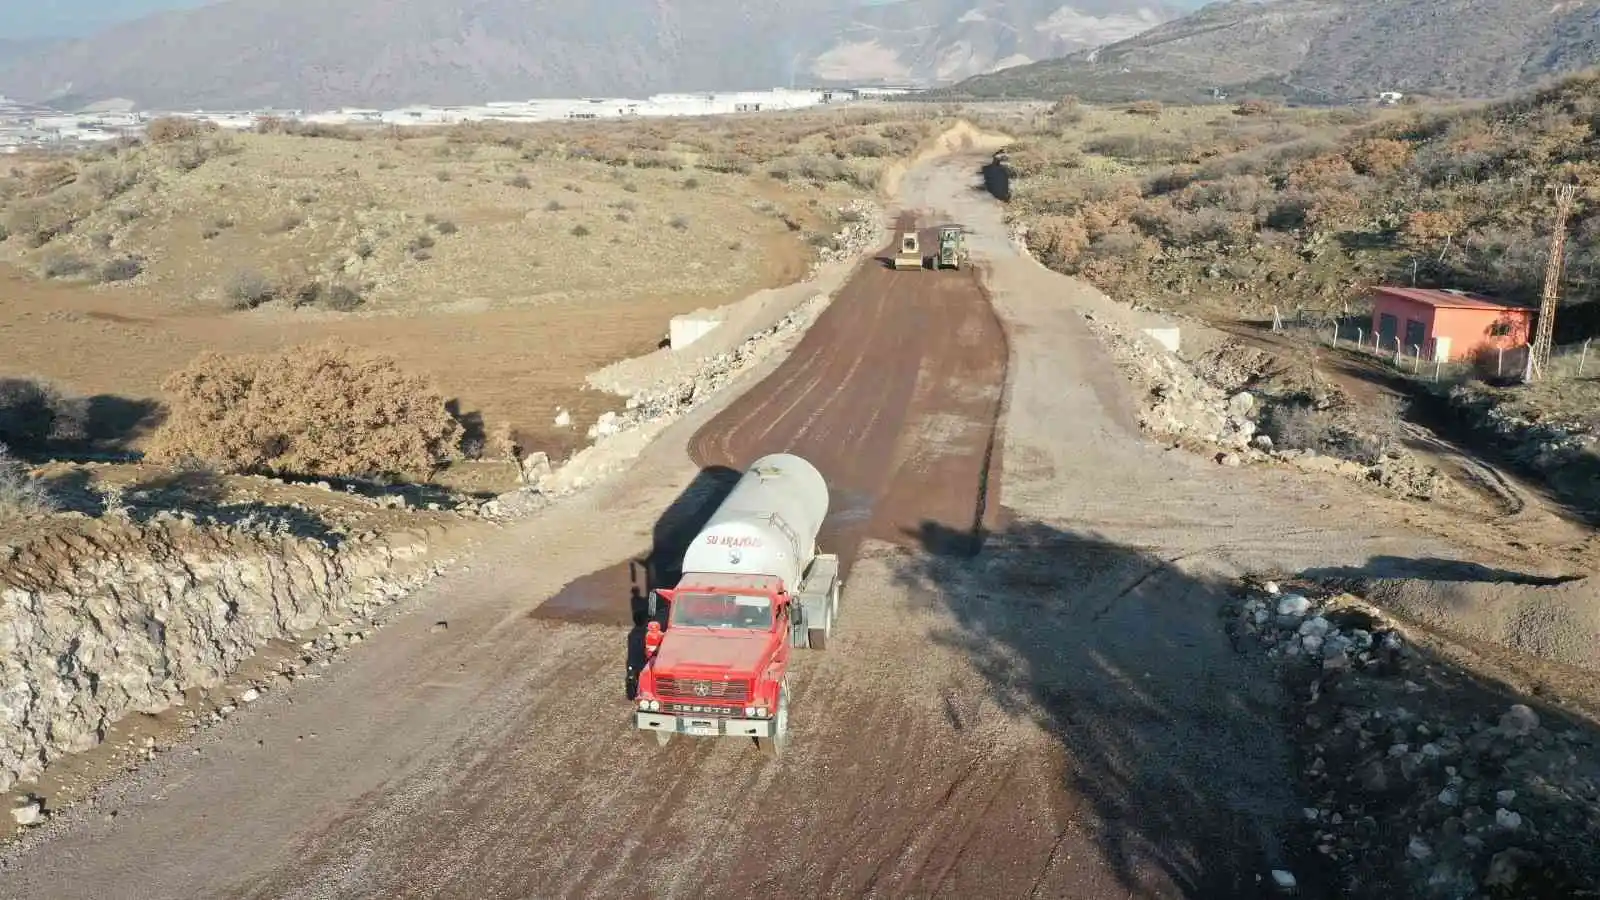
(761,711)
(655,705)
(649,705)
(749,710)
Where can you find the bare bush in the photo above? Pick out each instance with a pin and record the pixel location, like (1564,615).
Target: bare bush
(324,410)
(21,495)
(1299,427)
(43,220)
(124,268)
(34,415)
(1364,434)
(171,129)
(66,265)
(110,180)
(248,289)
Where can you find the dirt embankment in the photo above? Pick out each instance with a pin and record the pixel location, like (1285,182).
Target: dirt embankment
(1564,452)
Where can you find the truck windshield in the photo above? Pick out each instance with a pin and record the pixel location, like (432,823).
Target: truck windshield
(722,611)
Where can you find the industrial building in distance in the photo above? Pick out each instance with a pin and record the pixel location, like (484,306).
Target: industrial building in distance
(31,127)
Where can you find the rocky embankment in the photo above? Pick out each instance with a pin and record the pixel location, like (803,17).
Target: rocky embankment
(1229,400)
(114,616)
(1422,780)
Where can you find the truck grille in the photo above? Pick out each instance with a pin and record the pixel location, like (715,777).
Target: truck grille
(690,690)
(694,709)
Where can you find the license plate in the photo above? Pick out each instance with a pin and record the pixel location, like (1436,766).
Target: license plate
(701,726)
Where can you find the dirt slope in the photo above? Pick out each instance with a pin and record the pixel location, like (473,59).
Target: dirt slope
(1058,716)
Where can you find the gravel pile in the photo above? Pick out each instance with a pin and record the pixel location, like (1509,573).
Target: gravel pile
(1420,780)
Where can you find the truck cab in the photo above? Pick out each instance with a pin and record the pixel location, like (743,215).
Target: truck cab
(722,672)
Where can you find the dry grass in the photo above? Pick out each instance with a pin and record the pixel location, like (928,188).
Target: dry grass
(21,494)
(545,252)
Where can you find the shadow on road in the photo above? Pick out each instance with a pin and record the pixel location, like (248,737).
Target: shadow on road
(1173,741)
(617,594)
(996,179)
(1433,570)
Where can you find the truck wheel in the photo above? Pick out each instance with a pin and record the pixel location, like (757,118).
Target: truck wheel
(773,746)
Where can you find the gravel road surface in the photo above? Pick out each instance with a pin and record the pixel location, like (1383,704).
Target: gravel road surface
(1056,715)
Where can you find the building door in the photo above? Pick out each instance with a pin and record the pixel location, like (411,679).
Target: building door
(1416,335)
(1388,327)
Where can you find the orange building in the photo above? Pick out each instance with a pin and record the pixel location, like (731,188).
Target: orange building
(1447,325)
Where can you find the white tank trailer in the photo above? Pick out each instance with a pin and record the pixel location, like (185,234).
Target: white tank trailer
(768,525)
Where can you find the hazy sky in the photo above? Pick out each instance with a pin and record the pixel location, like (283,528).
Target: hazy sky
(72,18)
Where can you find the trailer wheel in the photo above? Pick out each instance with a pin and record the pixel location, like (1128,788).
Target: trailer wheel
(817,638)
(773,746)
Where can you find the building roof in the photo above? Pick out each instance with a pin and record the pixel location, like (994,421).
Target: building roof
(1446,298)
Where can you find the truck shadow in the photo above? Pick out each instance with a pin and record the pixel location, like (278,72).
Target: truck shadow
(1180,761)
(616,595)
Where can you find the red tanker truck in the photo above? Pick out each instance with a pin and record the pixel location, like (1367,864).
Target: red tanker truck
(753,587)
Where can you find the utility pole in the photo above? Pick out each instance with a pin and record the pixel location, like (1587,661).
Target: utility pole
(1539,352)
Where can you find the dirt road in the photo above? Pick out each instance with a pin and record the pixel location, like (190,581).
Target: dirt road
(1059,716)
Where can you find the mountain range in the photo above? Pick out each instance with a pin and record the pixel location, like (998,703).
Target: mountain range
(308,54)
(1323,50)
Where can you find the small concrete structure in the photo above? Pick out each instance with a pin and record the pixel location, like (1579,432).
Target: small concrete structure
(1166,337)
(685,330)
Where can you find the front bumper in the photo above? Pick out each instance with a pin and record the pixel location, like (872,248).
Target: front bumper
(702,726)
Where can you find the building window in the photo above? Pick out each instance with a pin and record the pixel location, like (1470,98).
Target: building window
(1500,329)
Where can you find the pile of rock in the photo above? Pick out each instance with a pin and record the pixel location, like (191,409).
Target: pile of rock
(1180,404)
(1415,775)
(1335,633)
(863,232)
(1544,446)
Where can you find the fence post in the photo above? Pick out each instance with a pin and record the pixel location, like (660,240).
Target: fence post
(1416,358)
(1361,337)
(1438,364)
(1335,341)
(1399,351)
(1583,360)
(1500,362)
(1277,320)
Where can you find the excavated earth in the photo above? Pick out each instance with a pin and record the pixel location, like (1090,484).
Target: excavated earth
(1039,703)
